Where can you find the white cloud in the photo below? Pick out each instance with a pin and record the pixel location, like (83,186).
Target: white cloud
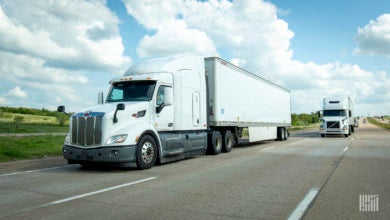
(172,36)
(17,92)
(66,34)
(374,38)
(175,38)
(250,33)
(56,51)
(3,100)
(152,14)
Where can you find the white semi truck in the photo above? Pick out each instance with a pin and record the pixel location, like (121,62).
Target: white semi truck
(337,117)
(171,108)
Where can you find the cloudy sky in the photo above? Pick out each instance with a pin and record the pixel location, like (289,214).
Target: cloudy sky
(64,52)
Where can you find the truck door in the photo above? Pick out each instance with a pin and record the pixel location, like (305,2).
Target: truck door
(195,109)
(164,114)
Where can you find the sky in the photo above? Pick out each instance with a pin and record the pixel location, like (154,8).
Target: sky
(64,52)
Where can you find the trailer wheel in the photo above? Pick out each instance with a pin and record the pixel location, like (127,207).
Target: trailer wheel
(281,134)
(216,143)
(146,152)
(228,141)
(285,134)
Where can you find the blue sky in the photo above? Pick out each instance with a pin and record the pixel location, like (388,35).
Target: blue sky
(329,27)
(65,52)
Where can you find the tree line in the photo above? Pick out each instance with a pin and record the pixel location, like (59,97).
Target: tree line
(304,119)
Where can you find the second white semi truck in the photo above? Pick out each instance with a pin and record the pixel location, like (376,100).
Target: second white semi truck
(337,117)
(171,108)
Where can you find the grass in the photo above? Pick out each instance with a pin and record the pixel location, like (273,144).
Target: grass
(9,127)
(377,123)
(26,123)
(30,147)
(297,128)
(29,119)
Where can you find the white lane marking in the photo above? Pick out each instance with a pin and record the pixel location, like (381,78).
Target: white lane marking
(304,204)
(33,171)
(96,192)
(268,148)
(345,149)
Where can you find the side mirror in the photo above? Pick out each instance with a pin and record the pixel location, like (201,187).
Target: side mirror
(100,98)
(61,108)
(119,107)
(168,96)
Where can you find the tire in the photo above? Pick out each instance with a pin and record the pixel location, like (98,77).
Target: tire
(322,135)
(228,141)
(216,142)
(285,134)
(279,134)
(146,152)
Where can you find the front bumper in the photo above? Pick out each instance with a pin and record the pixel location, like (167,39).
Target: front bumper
(334,131)
(111,154)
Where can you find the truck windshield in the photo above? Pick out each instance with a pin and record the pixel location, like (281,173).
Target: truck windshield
(131,91)
(334,113)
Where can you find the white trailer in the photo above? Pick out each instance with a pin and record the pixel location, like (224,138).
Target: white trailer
(337,117)
(171,108)
(240,99)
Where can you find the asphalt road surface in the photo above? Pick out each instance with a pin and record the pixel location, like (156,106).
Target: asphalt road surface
(306,176)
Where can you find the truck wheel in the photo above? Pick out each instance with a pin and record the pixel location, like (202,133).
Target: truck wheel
(146,152)
(228,141)
(322,135)
(216,143)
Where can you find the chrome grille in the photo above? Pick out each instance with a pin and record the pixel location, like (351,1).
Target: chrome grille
(86,129)
(333,124)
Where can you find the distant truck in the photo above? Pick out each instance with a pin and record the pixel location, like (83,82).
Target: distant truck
(337,117)
(171,108)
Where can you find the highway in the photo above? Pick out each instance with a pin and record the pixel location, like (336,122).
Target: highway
(305,177)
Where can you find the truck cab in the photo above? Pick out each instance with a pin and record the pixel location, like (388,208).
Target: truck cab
(154,113)
(337,117)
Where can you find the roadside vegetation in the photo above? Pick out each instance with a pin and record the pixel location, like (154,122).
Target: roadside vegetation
(14,121)
(304,121)
(30,147)
(24,120)
(377,123)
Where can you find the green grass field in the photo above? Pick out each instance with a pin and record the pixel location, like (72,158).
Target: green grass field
(30,147)
(9,127)
(25,123)
(377,123)
(14,147)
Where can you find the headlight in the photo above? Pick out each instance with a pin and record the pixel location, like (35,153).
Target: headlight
(321,127)
(345,127)
(117,139)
